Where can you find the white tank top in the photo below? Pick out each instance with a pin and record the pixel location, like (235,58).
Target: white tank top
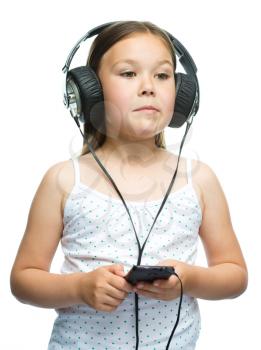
(97,231)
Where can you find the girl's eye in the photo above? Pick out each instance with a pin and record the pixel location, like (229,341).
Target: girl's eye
(163,76)
(127,74)
(130,74)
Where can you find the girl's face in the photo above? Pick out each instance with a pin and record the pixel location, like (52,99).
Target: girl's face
(135,72)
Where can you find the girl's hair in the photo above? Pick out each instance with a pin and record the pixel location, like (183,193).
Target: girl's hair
(103,42)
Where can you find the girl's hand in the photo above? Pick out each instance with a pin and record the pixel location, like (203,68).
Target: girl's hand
(165,289)
(104,288)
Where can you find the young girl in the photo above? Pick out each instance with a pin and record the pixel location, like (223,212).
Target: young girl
(77,205)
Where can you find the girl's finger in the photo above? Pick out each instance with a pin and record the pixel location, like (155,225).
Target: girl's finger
(166,284)
(148,294)
(147,287)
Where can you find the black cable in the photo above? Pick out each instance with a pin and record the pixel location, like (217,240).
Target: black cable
(139,247)
(141,251)
(179,309)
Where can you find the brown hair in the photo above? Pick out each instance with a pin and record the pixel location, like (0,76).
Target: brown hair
(103,42)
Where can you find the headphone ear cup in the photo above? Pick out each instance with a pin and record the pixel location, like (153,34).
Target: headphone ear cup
(185,97)
(87,92)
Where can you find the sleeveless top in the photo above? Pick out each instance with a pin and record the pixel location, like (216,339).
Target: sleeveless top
(97,232)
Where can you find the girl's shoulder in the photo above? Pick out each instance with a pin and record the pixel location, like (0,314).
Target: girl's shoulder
(66,179)
(206,181)
(60,176)
(63,174)
(203,177)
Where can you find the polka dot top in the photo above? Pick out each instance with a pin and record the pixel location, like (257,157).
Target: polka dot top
(98,231)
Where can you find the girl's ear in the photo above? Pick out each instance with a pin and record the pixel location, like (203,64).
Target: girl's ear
(186,89)
(85,93)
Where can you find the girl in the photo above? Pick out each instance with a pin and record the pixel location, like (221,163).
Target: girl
(76,204)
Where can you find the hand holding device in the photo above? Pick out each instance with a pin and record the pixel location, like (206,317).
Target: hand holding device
(102,288)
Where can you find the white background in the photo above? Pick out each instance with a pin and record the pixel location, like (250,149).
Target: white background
(37,131)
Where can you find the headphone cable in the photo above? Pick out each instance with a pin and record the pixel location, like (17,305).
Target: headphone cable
(139,247)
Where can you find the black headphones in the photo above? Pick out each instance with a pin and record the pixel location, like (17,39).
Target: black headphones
(83,89)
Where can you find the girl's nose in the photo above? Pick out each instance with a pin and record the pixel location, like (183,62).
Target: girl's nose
(146,86)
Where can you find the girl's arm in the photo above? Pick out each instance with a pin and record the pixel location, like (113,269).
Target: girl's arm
(103,288)
(31,281)
(226,274)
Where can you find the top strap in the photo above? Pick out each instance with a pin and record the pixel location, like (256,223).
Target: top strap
(189,171)
(76,170)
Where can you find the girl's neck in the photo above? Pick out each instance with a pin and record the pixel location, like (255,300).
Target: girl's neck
(130,153)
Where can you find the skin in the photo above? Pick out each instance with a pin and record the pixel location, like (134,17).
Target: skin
(128,132)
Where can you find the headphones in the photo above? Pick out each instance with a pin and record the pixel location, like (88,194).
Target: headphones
(83,90)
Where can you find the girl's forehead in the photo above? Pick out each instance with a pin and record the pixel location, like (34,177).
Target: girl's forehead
(136,40)
(138,46)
